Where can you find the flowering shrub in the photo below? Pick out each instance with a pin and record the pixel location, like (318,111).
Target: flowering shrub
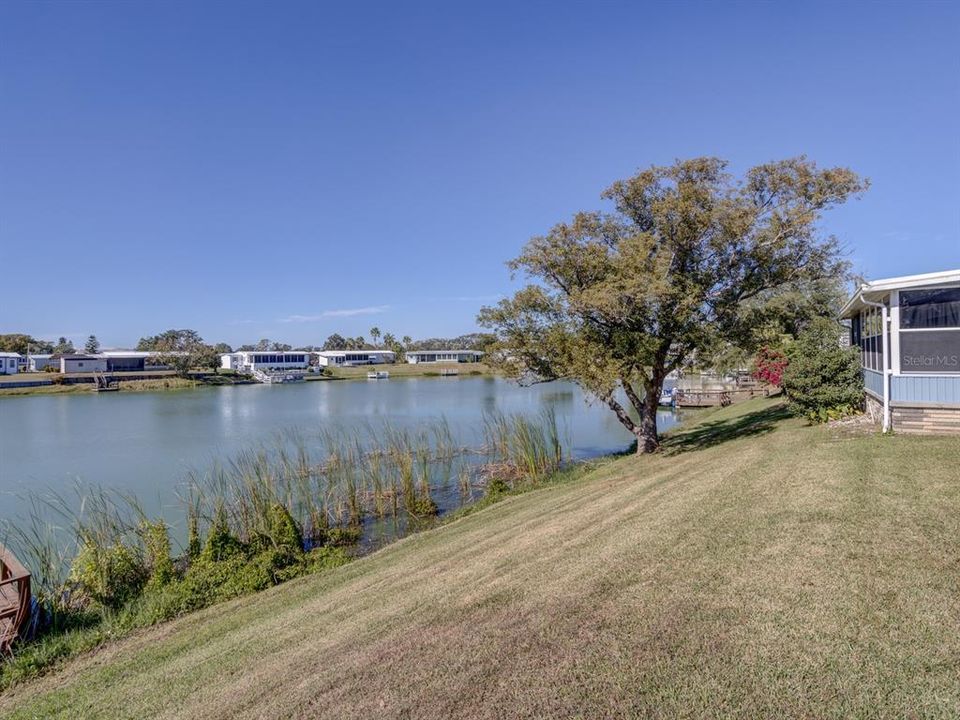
(769,365)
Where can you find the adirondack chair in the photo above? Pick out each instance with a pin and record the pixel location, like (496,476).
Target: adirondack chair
(14,598)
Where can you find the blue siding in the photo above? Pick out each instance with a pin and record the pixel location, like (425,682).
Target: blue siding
(916,388)
(873,381)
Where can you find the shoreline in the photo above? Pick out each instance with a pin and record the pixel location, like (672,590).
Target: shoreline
(173,382)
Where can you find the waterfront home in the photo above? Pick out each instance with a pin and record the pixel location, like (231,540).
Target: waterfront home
(39,363)
(126,360)
(248,361)
(9,363)
(908,332)
(416,357)
(80,363)
(344,358)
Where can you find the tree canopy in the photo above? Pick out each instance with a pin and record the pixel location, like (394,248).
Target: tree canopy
(690,261)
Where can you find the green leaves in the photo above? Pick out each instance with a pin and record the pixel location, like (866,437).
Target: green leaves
(690,262)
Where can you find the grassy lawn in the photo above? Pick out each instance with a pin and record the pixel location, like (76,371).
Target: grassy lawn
(756,568)
(418,370)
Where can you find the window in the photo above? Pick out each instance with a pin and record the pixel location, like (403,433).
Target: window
(869,329)
(930,331)
(928,309)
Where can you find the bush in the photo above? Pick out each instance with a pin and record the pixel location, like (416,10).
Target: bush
(107,575)
(768,366)
(823,381)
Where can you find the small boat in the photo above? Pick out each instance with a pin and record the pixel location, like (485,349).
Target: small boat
(449,372)
(378,375)
(666,398)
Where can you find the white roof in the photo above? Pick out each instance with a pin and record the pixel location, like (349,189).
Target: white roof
(877,289)
(126,353)
(9,354)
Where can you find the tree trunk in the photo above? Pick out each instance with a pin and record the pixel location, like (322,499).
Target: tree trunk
(647,439)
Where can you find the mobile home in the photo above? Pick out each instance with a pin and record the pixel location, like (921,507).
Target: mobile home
(908,332)
(340,358)
(247,361)
(9,363)
(416,357)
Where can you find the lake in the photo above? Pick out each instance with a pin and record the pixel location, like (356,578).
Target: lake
(146,443)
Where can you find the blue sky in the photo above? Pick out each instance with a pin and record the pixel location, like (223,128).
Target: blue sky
(292,169)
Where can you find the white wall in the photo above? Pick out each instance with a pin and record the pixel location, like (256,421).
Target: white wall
(82,366)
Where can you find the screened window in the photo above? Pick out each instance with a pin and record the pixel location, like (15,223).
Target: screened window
(928,309)
(930,331)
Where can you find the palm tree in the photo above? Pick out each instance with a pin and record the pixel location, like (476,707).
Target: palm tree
(407,341)
(375,334)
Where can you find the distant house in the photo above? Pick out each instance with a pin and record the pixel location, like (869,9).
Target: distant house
(126,360)
(39,363)
(416,357)
(9,363)
(341,358)
(80,363)
(908,332)
(248,361)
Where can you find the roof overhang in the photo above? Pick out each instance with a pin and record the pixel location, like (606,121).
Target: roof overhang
(877,290)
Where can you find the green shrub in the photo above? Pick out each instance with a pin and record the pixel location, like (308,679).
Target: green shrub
(220,544)
(823,380)
(156,542)
(281,530)
(107,575)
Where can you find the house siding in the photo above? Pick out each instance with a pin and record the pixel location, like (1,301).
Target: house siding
(942,390)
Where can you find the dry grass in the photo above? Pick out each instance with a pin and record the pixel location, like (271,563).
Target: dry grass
(756,568)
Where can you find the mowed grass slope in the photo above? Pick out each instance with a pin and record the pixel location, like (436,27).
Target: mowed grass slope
(756,568)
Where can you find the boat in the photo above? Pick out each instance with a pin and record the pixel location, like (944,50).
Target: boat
(449,372)
(378,375)
(15,599)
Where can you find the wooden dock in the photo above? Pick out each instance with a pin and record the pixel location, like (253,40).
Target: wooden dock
(717,398)
(14,599)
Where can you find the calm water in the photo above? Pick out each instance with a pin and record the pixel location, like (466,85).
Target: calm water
(145,443)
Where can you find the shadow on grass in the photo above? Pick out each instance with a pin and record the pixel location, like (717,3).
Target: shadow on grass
(716,432)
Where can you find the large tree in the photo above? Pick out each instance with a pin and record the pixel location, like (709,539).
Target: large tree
(181,350)
(689,262)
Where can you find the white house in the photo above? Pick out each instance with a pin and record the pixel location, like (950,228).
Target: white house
(38,363)
(416,357)
(908,332)
(9,363)
(247,361)
(80,363)
(340,358)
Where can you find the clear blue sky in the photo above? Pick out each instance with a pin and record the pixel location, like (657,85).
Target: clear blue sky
(291,169)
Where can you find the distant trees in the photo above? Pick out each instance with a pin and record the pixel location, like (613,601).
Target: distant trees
(375,334)
(63,347)
(22,343)
(689,261)
(92,346)
(181,350)
(335,342)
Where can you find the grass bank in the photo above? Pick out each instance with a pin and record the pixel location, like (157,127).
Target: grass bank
(419,370)
(171,382)
(757,567)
